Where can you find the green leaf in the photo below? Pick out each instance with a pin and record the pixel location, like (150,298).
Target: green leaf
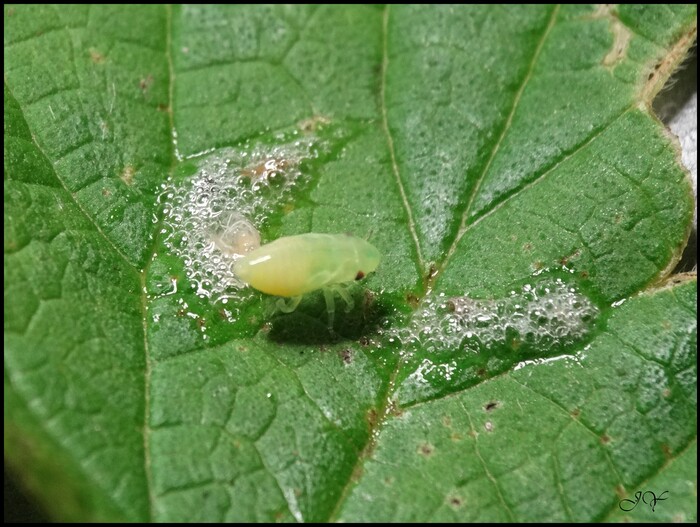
(505,162)
(560,440)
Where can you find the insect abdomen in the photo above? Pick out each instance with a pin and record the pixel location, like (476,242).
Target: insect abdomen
(296,265)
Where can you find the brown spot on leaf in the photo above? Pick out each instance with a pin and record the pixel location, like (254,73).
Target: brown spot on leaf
(127,175)
(491,405)
(668,454)
(527,247)
(564,260)
(394,409)
(455,502)
(106,192)
(346,355)
(312,124)
(575,413)
(426,449)
(360,275)
(145,83)
(96,57)
(372,418)
(412,300)
(605,439)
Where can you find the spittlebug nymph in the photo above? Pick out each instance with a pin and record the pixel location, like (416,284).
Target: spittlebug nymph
(294,265)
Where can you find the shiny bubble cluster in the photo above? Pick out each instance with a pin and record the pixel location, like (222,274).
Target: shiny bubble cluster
(537,316)
(212,219)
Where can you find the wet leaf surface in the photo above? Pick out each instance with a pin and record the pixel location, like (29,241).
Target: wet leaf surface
(519,355)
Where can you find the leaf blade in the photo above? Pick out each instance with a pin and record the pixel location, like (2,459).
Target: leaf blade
(242,425)
(593,426)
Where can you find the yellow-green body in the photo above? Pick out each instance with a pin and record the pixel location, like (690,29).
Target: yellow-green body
(295,265)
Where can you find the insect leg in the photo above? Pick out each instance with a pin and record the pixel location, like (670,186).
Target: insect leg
(291,306)
(350,303)
(330,306)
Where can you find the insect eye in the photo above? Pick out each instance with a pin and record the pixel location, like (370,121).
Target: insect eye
(360,275)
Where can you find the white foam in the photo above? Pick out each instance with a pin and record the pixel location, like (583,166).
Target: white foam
(543,315)
(214,218)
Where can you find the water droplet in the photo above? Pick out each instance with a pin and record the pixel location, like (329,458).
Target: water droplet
(214,217)
(544,315)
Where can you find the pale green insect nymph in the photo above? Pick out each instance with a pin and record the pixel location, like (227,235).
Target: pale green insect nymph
(295,265)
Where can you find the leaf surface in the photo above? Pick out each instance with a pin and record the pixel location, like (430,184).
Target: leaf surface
(487,152)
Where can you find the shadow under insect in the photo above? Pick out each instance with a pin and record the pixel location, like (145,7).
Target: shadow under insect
(309,322)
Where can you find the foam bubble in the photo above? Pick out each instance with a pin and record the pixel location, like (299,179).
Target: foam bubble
(540,316)
(213,219)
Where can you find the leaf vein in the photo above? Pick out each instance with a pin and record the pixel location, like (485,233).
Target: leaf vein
(481,459)
(82,209)
(390,140)
(509,120)
(580,422)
